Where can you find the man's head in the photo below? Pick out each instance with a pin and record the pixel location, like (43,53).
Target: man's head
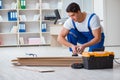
(74,11)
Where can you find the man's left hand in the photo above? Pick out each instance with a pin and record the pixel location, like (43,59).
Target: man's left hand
(80,49)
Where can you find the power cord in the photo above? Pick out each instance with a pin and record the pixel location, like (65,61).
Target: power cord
(116,60)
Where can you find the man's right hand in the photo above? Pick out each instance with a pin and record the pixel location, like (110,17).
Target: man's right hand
(74,49)
(80,49)
(77,49)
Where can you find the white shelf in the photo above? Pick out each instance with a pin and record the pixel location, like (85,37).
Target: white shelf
(6,45)
(29,21)
(45,32)
(8,21)
(50,9)
(10,33)
(7,9)
(22,33)
(33,24)
(48,20)
(48,44)
(29,9)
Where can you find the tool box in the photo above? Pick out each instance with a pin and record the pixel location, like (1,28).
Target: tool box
(98,60)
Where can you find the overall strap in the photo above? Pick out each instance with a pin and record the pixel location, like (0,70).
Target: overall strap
(89,22)
(74,24)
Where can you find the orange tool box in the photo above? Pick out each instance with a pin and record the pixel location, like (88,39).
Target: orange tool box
(98,60)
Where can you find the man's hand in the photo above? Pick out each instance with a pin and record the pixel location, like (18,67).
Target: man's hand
(74,49)
(80,49)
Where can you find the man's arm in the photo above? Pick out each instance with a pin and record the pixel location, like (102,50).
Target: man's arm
(61,37)
(97,38)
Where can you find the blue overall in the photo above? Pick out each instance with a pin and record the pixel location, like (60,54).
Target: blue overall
(75,37)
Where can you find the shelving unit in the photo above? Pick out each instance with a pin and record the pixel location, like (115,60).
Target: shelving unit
(6,36)
(32,17)
(47,10)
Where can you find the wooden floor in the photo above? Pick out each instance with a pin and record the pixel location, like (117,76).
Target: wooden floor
(10,72)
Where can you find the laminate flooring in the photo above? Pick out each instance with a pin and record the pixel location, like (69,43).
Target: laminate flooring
(10,72)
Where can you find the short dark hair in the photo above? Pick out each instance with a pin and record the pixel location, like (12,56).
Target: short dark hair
(73,7)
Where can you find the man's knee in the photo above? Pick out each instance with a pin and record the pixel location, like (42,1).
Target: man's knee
(96,49)
(72,37)
(73,33)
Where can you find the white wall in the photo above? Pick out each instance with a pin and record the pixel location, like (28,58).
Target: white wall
(88,6)
(85,5)
(98,8)
(112,22)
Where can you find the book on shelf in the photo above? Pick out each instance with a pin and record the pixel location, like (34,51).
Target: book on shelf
(23,4)
(45,6)
(22,18)
(1,19)
(21,40)
(22,27)
(42,40)
(34,41)
(14,29)
(1,4)
(12,16)
(14,5)
(44,27)
(37,6)
(36,17)
(0,42)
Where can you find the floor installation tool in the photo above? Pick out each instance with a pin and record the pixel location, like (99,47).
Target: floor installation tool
(77,65)
(46,61)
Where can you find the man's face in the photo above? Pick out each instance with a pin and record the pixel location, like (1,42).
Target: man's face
(74,15)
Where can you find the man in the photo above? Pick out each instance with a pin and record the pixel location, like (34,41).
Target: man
(82,28)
